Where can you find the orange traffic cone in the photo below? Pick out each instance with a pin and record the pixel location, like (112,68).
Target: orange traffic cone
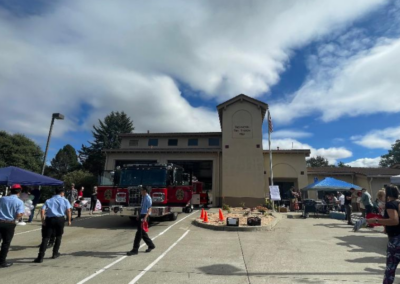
(202,214)
(205,217)
(221,216)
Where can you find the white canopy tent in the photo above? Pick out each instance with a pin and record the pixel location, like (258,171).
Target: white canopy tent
(395,179)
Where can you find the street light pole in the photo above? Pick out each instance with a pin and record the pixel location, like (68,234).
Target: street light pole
(53,117)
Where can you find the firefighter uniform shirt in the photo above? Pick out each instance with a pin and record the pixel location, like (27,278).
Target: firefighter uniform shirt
(10,206)
(56,206)
(146,204)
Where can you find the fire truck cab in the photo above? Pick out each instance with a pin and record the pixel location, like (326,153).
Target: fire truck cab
(165,183)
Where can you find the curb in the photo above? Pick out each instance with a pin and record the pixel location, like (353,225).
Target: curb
(277,217)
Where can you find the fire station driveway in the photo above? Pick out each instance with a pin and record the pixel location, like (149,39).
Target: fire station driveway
(296,251)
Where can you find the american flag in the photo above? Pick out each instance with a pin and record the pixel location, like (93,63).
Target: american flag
(270,126)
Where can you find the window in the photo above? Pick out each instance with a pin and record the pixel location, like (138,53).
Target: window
(153,142)
(133,143)
(213,142)
(143,176)
(193,142)
(172,142)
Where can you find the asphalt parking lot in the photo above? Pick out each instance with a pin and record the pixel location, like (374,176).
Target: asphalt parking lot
(296,251)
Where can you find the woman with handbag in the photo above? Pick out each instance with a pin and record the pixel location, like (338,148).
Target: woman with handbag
(392,225)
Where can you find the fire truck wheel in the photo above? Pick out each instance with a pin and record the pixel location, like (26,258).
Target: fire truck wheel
(173,216)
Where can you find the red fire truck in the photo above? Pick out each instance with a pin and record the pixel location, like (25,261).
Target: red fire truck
(169,192)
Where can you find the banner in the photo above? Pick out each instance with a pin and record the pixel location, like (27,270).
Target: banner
(275,194)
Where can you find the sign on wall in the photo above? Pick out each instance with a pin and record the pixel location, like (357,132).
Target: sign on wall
(242,126)
(274,191)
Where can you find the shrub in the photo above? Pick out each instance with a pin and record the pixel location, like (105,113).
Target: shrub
(226,207)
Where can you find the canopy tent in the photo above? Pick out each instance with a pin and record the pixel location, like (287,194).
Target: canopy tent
(395,179)
(13,175)
(330,184)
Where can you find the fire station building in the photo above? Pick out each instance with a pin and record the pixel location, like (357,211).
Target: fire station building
(232,163)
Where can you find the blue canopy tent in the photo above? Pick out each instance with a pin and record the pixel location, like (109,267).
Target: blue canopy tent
(13,175)
(331,184)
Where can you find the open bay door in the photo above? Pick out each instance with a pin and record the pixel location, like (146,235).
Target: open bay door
(395,180)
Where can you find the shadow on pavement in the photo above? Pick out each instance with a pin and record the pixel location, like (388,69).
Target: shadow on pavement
(19,248)
(336,226)
(230,270)
(364,244)
(371,259)
(114,223)
(99,254)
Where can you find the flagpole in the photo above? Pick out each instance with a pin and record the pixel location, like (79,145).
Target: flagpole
(270,158)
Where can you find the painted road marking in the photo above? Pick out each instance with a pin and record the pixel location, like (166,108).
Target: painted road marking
(123,257)
(158,259)
(66,226)
(27,232)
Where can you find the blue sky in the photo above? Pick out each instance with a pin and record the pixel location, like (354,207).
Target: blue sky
(327,70)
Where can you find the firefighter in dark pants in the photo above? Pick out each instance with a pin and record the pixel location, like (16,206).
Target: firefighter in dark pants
(144,215)
(52,237)
(11,209)
(54,209)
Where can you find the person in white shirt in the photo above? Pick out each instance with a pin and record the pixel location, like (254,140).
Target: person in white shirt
(341,201)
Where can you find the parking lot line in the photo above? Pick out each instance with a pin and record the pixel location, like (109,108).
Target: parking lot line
(123,257)
(157,260)
(27,232)
(87,218)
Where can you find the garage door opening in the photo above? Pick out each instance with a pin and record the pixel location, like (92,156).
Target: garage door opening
(122,163)
(202,170)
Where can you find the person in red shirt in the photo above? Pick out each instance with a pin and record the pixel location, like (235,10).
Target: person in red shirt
(80,192)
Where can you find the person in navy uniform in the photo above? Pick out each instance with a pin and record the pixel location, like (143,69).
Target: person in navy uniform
(144,215)
(54,209)
(11,209)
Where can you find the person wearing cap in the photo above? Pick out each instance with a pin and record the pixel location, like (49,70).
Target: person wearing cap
(140,233)
(11,209)
(53,212)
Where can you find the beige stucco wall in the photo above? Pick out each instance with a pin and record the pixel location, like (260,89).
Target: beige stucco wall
(287,167)
(242,162)
(163,142)
(165,157)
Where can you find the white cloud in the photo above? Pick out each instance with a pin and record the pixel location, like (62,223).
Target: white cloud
(333,154)
(98,56)
(365,163)
(378,139)
(291,133)
(351,79)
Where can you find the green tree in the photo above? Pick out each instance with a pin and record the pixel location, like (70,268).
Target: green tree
(80,178)
(318,161)
(106,136)
(65,161)
(392,157)
(19,151)
(342,165)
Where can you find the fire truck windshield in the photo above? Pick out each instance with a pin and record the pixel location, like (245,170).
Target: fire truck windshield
(143,176)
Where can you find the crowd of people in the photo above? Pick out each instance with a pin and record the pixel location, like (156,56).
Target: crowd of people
(55,212)
(384,211)
(344,202)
